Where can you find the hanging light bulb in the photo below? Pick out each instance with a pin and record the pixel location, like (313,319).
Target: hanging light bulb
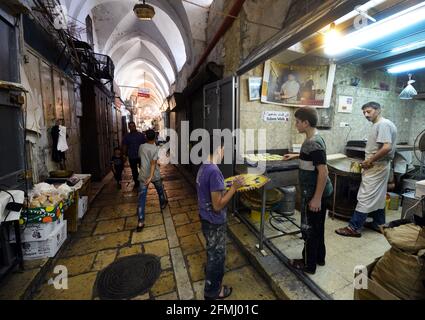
(144,11)
(332,38)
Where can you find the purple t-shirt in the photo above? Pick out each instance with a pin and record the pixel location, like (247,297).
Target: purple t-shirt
(209,179)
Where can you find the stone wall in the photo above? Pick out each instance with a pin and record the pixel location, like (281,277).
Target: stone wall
(407,115)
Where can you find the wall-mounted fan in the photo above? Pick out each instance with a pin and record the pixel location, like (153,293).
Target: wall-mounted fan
(419,152)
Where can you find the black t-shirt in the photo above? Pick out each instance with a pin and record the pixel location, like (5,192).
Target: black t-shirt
(117,161)
(312,154)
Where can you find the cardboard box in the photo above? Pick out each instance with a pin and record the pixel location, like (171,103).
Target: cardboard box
(47,248)
(37,231)
(83,203)
(374,291)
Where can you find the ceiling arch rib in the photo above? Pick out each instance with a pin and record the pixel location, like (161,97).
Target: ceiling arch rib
(138,36)
(165,34)
(134,49)
(138,77)
(130,84)
(170,20)
(142,64)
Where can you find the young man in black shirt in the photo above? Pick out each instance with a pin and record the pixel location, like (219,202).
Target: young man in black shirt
(316,189)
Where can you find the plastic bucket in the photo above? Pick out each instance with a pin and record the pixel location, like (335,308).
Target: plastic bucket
(394,202)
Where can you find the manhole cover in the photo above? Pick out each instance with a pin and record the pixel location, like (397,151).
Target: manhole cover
(128,277)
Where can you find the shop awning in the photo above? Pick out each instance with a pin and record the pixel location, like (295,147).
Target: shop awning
(330,11)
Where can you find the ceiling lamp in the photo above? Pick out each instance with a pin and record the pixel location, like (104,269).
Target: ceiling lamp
(408,66)
(144,11)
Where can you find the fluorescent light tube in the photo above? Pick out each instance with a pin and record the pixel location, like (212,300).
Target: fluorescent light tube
(408,66)
(380,29)
(414,45)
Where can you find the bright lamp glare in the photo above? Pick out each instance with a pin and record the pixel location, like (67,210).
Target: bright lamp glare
(414,65)
(380,29)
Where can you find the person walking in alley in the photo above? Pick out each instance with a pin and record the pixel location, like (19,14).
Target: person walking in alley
(117,164)
(149,173)
(131,143)
(380,150)
(212,200)
(316,189)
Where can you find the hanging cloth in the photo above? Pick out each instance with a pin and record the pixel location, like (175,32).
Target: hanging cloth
(62,145)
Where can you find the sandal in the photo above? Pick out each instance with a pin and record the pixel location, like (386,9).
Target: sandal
(348,232)
(227,291)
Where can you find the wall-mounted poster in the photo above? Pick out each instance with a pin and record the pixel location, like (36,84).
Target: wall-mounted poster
(254,85)
(298,85)
(345,104)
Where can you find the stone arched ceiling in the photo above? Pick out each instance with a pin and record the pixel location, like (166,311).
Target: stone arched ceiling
(150,53)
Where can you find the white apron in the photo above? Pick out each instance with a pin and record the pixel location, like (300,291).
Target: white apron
(373,188)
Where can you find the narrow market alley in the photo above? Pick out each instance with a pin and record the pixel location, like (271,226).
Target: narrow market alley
(107,233)
(193,150)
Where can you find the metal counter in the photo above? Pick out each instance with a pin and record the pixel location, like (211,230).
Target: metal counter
(281,174)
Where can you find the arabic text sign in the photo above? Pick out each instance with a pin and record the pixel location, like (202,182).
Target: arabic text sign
(269,116)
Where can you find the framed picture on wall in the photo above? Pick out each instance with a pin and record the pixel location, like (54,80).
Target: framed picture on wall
(254,85)
(297,85)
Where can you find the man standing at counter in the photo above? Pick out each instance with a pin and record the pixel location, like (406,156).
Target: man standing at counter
(316,188)
(380,150)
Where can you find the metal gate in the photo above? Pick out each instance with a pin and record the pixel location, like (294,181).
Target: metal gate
(219,112)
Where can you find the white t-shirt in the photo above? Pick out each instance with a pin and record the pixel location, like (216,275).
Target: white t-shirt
(147,153)
(384,131)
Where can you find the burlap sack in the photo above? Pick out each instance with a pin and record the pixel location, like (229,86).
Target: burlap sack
(402,274)
(409,238)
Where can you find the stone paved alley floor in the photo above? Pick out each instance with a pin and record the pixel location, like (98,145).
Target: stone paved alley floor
(107,232)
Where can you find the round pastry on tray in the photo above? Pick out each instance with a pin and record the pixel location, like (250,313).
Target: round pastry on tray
(252,181)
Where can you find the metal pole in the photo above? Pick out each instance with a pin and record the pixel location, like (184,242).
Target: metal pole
(263,216)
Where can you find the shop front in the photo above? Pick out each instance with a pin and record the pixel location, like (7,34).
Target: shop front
(340,57)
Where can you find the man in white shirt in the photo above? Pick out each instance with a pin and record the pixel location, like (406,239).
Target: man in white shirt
(380,150)
(290,89)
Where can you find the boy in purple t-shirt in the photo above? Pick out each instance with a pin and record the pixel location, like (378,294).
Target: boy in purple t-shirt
(212,200)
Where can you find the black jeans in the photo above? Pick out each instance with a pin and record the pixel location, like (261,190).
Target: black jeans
(215,235)
(135,165)
(118,173)
(313,232)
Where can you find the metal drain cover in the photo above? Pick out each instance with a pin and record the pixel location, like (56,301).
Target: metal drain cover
(128,277)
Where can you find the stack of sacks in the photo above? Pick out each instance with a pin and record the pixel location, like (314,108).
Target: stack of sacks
(402,269)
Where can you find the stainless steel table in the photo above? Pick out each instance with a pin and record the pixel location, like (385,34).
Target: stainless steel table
(281,174)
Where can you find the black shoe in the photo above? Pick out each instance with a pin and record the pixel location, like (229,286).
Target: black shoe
(164,205)
(372,226)
(299,265)
(321,263)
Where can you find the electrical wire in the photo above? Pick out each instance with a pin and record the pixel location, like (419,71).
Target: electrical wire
(414,206)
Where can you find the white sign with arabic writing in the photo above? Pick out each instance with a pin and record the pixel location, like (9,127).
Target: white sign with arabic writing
(270,116)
